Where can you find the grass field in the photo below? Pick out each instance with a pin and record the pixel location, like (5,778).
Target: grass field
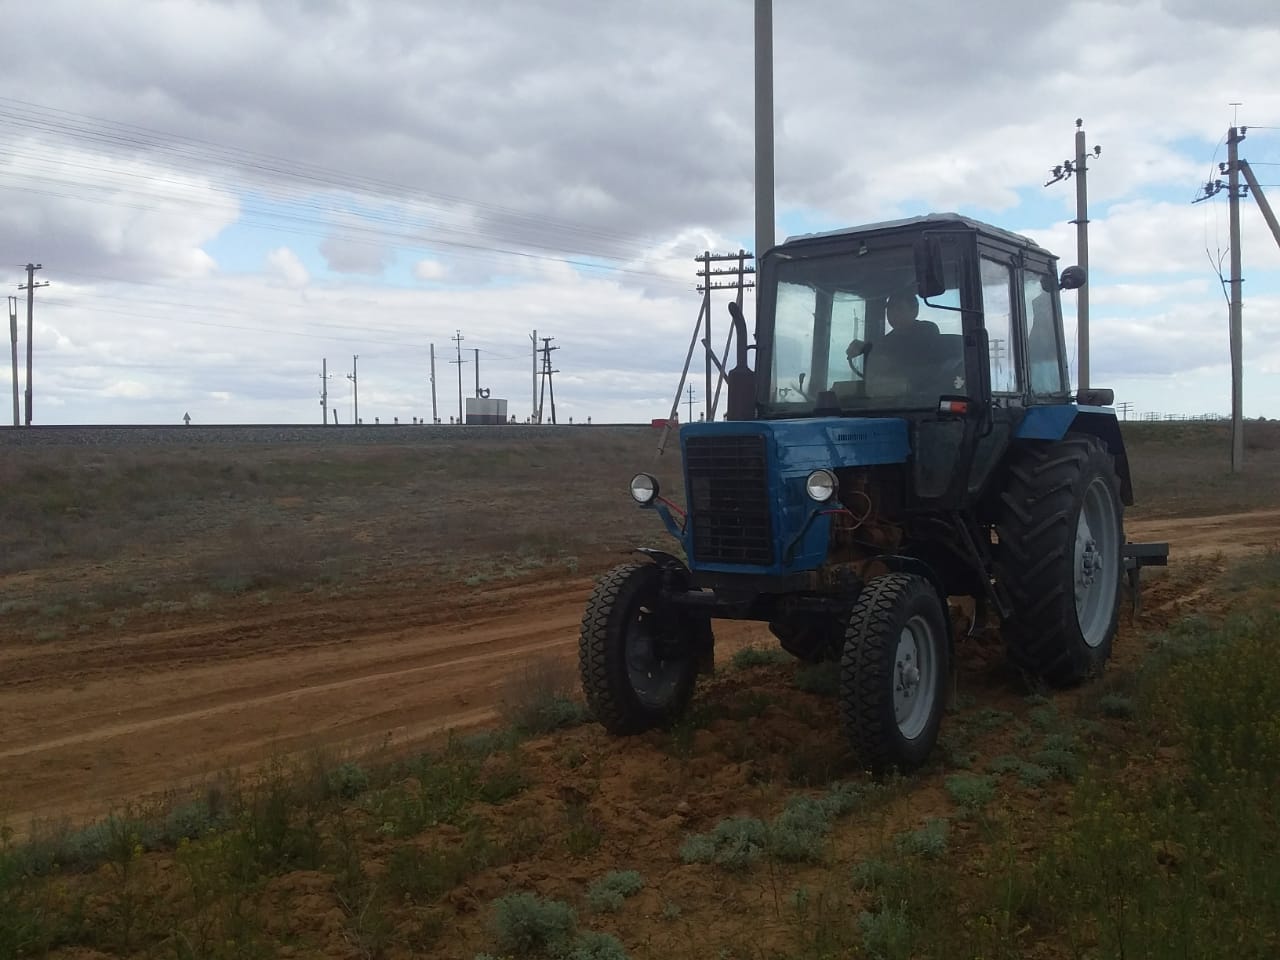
(1131,818)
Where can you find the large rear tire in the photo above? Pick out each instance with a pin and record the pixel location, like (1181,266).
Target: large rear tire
(1059,558)
(638,662)
(893,672)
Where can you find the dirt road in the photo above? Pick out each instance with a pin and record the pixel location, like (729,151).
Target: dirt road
(91,723)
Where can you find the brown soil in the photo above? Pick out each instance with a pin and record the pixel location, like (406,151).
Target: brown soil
(104,720)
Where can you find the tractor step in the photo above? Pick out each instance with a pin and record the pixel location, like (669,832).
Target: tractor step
(1139,555)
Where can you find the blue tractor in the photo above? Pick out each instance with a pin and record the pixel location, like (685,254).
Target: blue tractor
(907,435)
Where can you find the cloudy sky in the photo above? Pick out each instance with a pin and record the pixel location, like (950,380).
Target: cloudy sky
(224,193)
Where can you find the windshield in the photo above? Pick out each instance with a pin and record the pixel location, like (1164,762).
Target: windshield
(851,323)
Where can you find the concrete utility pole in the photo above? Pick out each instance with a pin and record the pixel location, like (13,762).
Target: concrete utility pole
(458,341)
(324,391)
(30,287)
(355,390)
(13,340)
(1234,137)
(764,126)
(534,337)
(476,351)
(1064,171)
(435,416)
(689,391)
(1261,197)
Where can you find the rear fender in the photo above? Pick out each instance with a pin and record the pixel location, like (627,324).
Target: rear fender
(1055,421)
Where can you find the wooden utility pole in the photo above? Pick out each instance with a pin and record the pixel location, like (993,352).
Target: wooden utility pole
(30,287)
(13,340)
(1237,386)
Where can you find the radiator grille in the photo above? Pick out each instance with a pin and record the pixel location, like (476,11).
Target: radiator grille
(728,489)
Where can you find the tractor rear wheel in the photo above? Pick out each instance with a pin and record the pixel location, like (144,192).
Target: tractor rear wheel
(893,672)
(1061,534)
(638,662)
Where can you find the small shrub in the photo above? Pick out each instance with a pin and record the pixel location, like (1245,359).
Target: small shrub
(988,719)
(1117,707)
(887,933)
(595,946)
(971,792)
(821,679)
(523,924)
(873,874)
(845,797)
(749,657)
(797,834)
(537,700)
(733,844)
(422,875)
(346,782)
(930,841)
(607,894)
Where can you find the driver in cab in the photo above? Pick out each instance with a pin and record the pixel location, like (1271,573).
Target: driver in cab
(908,335)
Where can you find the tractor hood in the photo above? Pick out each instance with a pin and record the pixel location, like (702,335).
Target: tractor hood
(745,484)
(798,447)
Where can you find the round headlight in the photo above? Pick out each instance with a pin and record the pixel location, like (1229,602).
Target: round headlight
(821,485)
(643,488)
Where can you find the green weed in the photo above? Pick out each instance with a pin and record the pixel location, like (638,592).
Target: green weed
(607,894)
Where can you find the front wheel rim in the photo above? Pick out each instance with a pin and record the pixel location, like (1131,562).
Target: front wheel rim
(915,669)
(1095,562)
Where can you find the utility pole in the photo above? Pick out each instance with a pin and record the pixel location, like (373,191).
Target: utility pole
(1124,407)
(1234,137)
(534,416)
(324,391)
(355,389)
(30,287)
(547,382)
(13,340)
(435,417)
(689,391)
(476,350)
(458,342)
(764,126)
(1064,171)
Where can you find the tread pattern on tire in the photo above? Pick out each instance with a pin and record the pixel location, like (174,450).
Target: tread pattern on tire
(604,682)
(1036,553)
(866,708)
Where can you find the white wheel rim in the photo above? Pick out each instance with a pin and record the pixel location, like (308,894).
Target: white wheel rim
(1095,562)
(914,677)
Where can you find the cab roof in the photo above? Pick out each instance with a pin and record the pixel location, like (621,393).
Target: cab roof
(952,221)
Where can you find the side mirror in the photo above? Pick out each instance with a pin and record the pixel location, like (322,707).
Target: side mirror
(1073,278)
(928,256)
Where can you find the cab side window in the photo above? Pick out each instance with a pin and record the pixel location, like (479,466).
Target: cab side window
(997,283)
(1044,334)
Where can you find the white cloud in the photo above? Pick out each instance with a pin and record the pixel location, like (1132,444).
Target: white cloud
(429,270)
(286,265)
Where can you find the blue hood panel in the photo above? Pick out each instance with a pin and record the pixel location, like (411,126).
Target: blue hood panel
(794,449)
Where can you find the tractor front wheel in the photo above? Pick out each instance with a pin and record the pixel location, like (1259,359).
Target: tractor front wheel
(638,661)
(893,672)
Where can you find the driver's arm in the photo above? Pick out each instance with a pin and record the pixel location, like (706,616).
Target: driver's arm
(858,348)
